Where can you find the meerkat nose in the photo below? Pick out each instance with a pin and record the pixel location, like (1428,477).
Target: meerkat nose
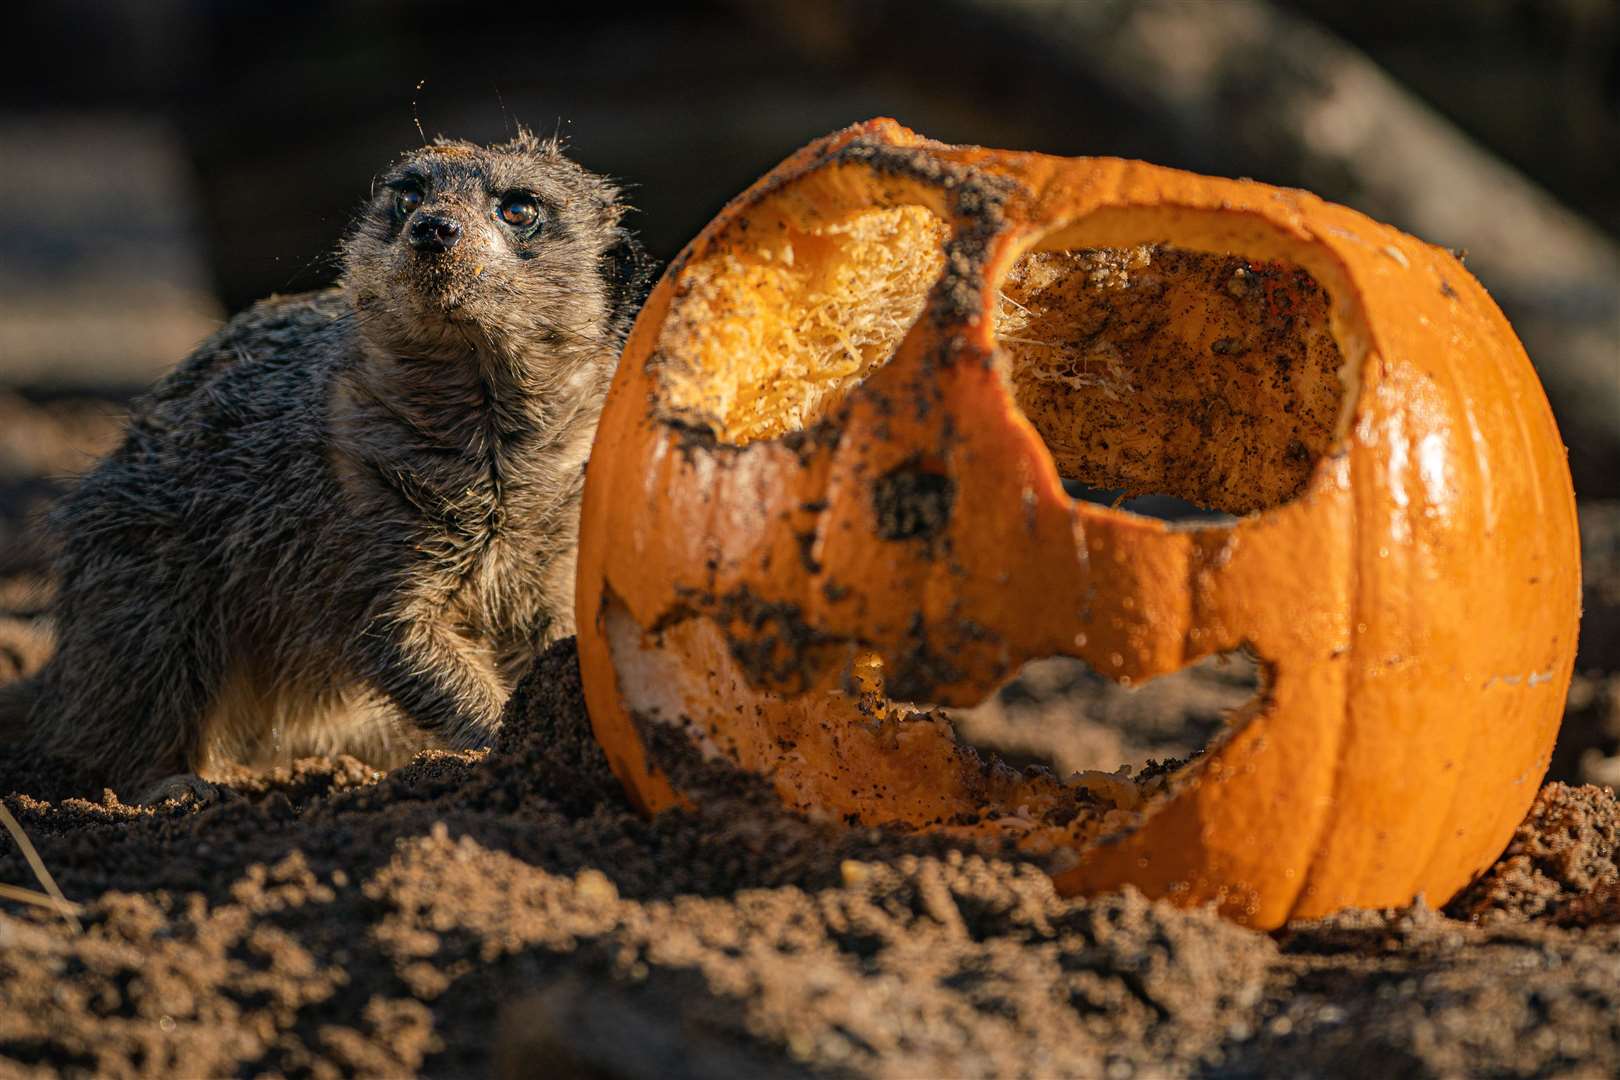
(433,234)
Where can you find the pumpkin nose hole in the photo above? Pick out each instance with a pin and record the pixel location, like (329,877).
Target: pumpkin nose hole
(1210,382)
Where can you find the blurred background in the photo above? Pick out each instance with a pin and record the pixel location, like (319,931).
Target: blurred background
(163,163)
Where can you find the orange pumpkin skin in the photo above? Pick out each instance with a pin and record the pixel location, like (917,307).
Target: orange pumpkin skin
(1415,603)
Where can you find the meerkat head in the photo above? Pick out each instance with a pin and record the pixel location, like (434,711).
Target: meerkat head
(512,248)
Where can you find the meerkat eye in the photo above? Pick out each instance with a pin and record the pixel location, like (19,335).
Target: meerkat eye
(407,198)
(519,210)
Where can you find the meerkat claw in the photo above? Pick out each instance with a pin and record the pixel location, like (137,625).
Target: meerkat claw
(182,788)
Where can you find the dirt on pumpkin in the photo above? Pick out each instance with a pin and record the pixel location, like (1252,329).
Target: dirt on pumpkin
(508,912)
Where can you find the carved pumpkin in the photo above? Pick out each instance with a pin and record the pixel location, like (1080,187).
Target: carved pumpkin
(829,480)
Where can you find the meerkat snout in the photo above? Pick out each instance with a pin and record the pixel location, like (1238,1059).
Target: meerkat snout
(434,234)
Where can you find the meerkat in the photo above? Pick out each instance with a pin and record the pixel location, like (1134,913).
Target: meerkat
(347,522)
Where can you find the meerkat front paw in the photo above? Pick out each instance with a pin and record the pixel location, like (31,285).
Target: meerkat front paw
(183,788)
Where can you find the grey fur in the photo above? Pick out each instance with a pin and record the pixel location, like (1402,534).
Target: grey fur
(348,520)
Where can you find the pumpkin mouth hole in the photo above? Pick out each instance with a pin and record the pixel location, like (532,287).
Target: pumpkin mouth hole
(779,321)
(1169,508)
(843,751)
(1208,378)
(1060,715)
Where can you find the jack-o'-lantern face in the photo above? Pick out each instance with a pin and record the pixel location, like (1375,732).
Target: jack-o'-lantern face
(827,495)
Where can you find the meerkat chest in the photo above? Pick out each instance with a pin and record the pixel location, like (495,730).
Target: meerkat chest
(481,491)
(514,521)
(500,594)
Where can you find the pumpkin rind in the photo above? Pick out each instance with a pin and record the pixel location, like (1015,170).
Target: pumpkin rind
(1415,605)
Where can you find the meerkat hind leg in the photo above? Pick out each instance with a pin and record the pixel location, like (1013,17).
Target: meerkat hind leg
(261,721)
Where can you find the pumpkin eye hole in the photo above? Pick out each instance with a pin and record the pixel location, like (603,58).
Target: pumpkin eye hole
(520,210)
(830,304)
(1227,406)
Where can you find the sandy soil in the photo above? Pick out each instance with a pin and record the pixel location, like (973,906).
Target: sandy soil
(508,912)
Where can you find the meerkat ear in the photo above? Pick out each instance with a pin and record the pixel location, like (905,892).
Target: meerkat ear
(628,271)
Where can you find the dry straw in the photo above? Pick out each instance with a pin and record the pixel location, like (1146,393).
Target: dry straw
(52,897)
